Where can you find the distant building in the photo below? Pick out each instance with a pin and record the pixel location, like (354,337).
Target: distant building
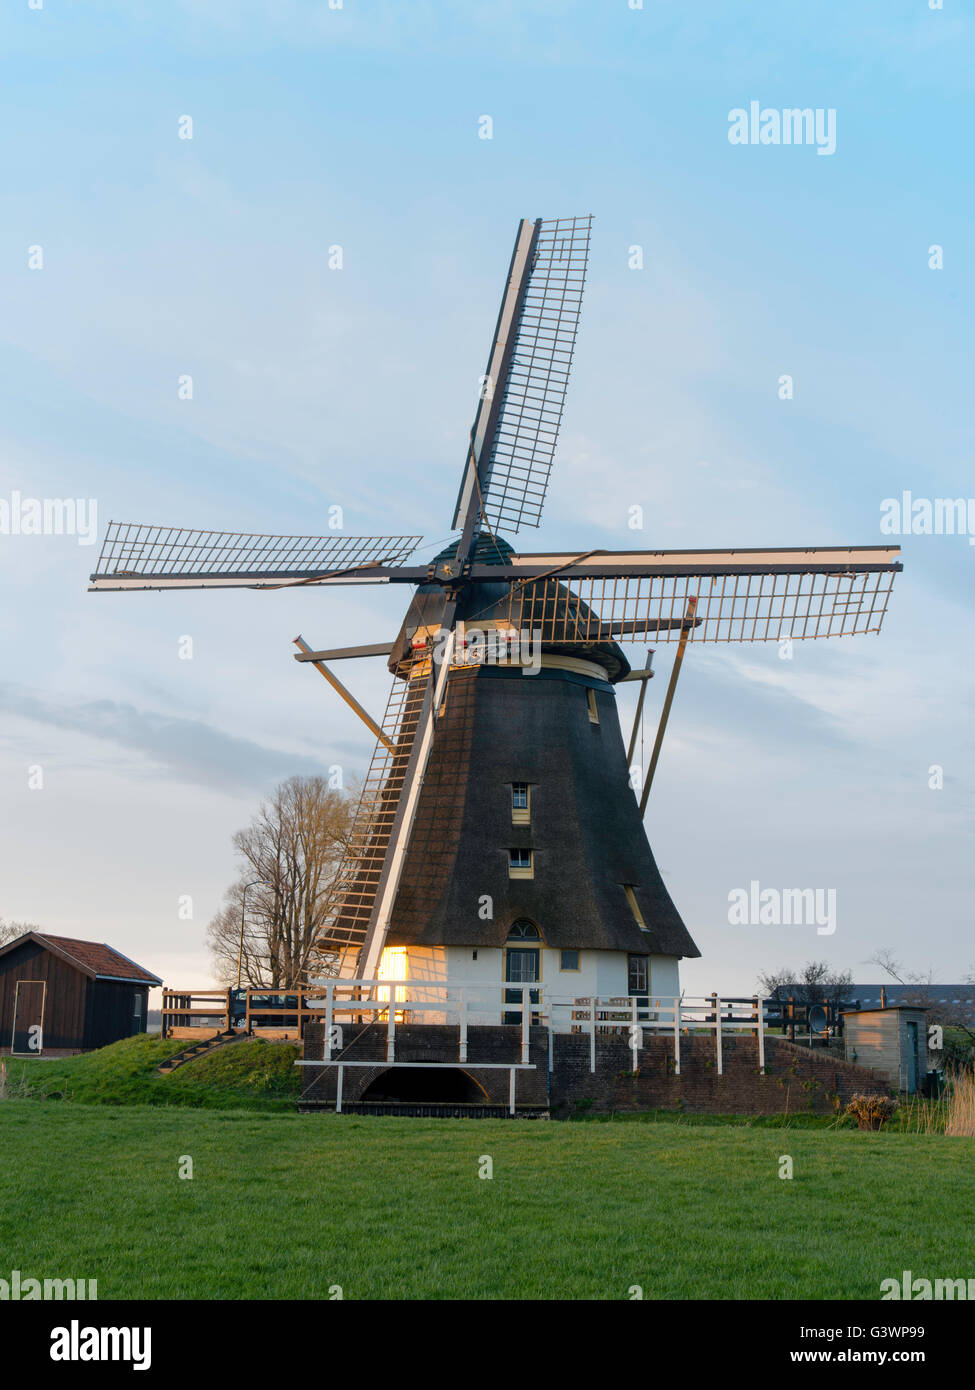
(945,1001)
(63,995)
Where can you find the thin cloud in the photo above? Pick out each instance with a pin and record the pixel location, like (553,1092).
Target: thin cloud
(183,750)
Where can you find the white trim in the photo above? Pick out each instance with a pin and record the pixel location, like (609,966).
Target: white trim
(576,664)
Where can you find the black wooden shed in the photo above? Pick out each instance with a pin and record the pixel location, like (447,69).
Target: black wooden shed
(79,994)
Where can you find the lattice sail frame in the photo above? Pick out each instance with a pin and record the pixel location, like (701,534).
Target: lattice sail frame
(131,550)
(514,478)
(762,607)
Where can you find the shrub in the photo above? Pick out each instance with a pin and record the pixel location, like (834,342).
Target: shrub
(872,1112)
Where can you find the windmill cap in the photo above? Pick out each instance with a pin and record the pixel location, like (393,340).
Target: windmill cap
(488,601)
(487,550)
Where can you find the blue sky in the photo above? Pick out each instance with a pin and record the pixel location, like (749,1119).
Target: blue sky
(358,127)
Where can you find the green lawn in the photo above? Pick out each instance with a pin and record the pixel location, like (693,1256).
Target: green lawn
(284,1206)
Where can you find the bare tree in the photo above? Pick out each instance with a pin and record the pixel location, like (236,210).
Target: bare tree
(293,849)
(923,993)
(9,931)
(814,982)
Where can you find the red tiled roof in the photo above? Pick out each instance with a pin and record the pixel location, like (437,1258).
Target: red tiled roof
(99,959)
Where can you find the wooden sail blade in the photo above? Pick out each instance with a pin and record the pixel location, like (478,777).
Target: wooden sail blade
(620,564)
(749,605)
(517,425)
(518,465)
(134,556)
(470,498)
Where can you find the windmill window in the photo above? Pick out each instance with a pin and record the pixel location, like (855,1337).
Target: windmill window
(520,863)
(634,906)
(638,974)
(569,960)
(520,803)
(593,711)
(523,930)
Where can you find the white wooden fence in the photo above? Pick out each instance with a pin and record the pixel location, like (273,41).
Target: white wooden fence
(632,1016)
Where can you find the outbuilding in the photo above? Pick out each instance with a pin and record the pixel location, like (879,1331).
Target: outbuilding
(63,995)
(890,1040)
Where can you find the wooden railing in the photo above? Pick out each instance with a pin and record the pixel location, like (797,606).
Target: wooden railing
(251,1008)
(179,1008)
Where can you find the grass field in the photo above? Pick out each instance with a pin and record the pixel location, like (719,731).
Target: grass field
(285,1206)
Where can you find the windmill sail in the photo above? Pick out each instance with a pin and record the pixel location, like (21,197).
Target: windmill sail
(754,607)
(517,424)
(134,556)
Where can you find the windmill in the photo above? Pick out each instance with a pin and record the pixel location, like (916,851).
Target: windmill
(497,823)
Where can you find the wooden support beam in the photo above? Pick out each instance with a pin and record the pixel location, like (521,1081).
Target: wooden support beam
(342,653)
(689,618)
(643,676)
(347,696)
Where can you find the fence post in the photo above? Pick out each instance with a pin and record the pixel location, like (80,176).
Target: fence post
(760,1014)
(391,1024)
(338,1090)
(592,1035)
(676,999)
(329,1010)
(717,1031)
(634,1034)
(463,1025)
(526,1018)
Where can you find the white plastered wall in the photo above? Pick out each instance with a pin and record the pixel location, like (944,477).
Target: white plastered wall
(479,971)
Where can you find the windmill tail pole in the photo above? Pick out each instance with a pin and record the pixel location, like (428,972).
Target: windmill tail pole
(669,700)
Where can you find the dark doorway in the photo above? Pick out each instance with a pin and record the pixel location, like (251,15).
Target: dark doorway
(913,1058)
(434,1085)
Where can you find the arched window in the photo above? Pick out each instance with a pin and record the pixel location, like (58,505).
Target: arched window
(524,930)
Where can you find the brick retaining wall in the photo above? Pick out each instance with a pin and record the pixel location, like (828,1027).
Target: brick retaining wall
(797,1080)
